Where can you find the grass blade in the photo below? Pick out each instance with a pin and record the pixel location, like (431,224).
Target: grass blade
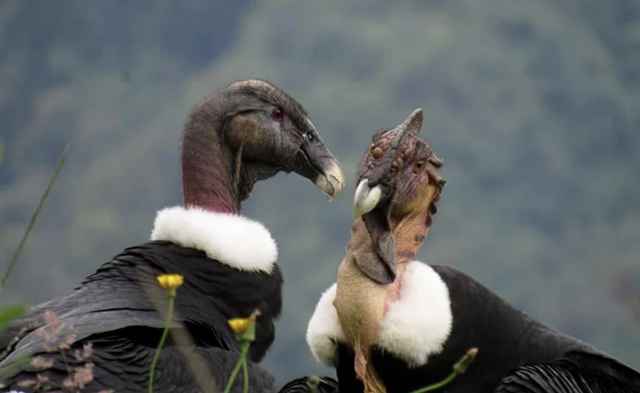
(34,217)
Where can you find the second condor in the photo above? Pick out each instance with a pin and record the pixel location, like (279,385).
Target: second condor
(393,324)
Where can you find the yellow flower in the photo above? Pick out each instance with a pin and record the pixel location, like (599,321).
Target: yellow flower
(170,281)
(239,325)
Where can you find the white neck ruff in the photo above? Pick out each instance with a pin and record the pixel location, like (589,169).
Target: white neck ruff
(230,239)
(416,326)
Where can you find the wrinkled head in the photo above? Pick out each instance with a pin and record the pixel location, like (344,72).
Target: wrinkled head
(398,179)
(266,131)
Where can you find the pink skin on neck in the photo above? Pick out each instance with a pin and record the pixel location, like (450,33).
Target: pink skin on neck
(409,236)
(208,174)
(395,288)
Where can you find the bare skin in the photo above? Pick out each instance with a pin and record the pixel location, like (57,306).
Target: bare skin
(361,302)
(360,315)
(248,132)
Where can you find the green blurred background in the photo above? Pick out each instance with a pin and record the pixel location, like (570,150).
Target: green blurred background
(534,105)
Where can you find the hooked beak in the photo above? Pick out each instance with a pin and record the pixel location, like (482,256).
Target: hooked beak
(365,198)
(317,164)
(331,179)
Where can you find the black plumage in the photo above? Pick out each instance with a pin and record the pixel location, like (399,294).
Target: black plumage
(311,383)
(111,310)
(516,352)
(561,377)
(393,324)
(242,134)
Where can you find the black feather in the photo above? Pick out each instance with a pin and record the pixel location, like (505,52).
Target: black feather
(562,377)
(516,353)
(311,383)
(111,311)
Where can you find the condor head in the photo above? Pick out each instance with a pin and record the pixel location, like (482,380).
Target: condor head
(398,178)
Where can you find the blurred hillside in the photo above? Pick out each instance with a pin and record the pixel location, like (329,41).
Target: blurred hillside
(535,107)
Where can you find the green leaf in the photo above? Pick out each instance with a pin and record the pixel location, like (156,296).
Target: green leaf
(10,313)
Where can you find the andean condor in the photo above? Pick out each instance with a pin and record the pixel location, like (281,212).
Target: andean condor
(393,324)
(244,133)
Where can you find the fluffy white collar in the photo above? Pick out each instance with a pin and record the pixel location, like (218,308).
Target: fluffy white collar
(415,327)
(231,239)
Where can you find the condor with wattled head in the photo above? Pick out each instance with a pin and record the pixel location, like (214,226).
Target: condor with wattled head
(103,334)
(393,324)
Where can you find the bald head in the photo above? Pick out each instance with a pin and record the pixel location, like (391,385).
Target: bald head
(248,132)
(397,158)
(398,182)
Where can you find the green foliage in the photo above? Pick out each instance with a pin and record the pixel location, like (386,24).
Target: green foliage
(459,368)
(11,312)
(241,365)
(245,329)
(165,333)
(34,217)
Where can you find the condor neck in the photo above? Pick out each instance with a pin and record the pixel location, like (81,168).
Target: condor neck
(409,234)
(207,166)
(360,242)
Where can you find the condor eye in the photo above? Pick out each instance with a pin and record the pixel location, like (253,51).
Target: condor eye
(277,115)
(418,166)
(309,136)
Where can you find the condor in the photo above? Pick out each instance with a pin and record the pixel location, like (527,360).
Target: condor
(393,324)
(244,133)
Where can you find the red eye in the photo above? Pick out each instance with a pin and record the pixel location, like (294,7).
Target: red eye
(277,114)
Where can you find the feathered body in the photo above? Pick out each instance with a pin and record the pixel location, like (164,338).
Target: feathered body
(392,324)
(114,311)
(311,384)
(440,314)
(106,330)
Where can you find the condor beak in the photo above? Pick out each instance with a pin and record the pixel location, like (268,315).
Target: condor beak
(318,165)
(331,179)
(365,198)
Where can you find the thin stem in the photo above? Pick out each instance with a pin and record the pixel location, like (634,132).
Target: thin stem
(165,332)
(184,343)
(244,346)
(459,368)
(245,375)
(438,385)
(34,217)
